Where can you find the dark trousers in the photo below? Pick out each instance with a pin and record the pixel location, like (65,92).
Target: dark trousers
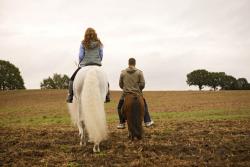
(122,117)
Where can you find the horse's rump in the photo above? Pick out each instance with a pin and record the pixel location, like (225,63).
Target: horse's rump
(90,88)
(133,109)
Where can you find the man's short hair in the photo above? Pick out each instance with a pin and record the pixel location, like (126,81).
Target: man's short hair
(131,61)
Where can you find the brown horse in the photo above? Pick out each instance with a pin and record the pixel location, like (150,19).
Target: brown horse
(133,109)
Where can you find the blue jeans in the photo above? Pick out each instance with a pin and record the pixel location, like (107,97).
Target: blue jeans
(122,117)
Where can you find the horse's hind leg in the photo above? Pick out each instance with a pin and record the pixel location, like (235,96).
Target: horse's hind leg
(96,148)
(83,137)
(80,131)
(130,136)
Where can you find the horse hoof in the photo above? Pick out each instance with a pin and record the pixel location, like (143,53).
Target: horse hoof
(96,151)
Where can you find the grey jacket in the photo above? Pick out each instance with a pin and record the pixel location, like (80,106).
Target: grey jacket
(91,56)
(132,81)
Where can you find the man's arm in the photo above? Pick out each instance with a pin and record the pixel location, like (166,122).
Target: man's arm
(141,81)
(121,81)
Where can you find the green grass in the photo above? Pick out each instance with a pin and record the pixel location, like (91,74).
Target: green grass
(73,164)
(193,115)
(112,117)
(48,107)
(35,121)
(47,120)
(203,115)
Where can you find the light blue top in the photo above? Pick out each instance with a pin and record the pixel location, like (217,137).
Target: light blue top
(82,53)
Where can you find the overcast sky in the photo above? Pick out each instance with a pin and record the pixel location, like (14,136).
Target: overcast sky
(168,38)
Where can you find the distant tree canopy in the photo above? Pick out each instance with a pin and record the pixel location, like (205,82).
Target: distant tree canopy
(198,78)
(229,83)
(243,83)
(215,80)
(58,81)
(10,77)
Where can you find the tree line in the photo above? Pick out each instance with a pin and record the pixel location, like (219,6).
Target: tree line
(57,81)
(216,80)
(11,79)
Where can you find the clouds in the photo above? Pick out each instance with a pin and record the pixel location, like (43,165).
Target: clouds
(168,38)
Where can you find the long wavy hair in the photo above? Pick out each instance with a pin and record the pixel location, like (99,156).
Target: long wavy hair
(90,36)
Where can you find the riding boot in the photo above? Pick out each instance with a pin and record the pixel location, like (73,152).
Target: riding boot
(107,96)
(70,95)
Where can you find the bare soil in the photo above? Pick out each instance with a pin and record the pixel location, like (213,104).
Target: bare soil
(206,143)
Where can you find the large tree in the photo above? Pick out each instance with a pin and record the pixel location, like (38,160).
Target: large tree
(228,83)
(198,78)
(58,81)
(242,84)
(215,79)
(10,77)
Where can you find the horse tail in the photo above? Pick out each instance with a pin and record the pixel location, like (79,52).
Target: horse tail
(72,108)
(92,107)
(136,116)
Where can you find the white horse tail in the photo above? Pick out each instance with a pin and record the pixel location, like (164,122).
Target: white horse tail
(74,114)
(92,107)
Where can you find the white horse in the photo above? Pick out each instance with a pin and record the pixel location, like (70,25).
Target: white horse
(87,110)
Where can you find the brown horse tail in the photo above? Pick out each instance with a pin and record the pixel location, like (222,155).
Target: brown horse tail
(136,117)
